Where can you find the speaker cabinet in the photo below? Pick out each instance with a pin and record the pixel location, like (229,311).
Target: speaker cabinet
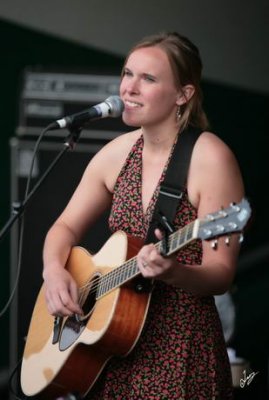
(44,207)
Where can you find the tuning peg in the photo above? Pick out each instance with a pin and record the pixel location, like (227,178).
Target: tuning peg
(235,206)
(233,226)
(241,238)
(222,212)
(207,232)
(214,244)
(227,240)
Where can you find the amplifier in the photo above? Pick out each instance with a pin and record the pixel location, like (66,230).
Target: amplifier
(48,96)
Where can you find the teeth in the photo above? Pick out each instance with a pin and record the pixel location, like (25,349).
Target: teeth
(132,104)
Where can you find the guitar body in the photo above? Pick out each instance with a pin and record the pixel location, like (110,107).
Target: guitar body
(69,355)
(111,326)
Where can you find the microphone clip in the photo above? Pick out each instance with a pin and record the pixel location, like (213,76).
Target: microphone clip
(73,137)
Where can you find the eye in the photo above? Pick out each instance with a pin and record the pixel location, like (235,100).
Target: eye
(126,72)
(149,78)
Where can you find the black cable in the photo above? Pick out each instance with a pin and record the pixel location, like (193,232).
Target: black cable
(21,230)
(20,248)
(73,137)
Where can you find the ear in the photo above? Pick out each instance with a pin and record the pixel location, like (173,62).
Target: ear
(185,94)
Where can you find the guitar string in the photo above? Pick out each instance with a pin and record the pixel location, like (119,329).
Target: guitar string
(123,268)
(107,278)
(118,271)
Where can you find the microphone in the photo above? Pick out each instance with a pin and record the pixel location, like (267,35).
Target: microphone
(112,107)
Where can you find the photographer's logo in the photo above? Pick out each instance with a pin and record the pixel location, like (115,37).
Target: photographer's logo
(247,379)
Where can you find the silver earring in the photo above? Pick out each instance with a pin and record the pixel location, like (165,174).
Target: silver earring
(178,113)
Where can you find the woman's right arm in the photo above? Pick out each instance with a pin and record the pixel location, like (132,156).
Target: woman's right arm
(60,287)
(90,199)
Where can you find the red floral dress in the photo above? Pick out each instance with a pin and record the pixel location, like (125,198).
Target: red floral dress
(181,353)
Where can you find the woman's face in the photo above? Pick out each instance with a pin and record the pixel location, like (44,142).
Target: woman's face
(148,88)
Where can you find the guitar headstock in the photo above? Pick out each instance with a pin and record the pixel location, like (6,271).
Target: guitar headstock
(225,221)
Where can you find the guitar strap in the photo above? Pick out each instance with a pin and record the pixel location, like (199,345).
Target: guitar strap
(172,187)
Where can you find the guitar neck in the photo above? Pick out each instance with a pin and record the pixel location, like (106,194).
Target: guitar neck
(129,270)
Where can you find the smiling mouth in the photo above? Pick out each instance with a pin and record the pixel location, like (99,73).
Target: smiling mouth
(132,104)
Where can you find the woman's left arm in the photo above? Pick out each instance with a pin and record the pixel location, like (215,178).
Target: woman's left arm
(214,182)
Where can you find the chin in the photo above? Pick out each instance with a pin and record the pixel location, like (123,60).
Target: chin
(131,121)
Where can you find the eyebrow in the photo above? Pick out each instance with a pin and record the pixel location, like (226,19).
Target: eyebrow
(143,74)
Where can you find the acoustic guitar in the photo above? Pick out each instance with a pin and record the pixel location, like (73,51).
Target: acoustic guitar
(64,355)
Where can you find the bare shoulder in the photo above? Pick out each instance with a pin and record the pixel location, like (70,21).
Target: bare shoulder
(214,172)
(114,153)
(211,152)
(107,163)
(212,147)
(121,145)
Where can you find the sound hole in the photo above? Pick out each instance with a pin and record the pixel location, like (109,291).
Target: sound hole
(74,325)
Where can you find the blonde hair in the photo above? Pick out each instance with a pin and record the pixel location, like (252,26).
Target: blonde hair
(186,64)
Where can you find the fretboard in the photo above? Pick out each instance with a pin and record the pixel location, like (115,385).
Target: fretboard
(127,271)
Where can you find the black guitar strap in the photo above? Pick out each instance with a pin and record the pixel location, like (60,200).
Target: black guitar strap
(173,185)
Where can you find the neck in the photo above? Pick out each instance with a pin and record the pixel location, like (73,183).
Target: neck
(161,139)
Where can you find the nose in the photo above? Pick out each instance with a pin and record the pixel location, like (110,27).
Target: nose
(131,85)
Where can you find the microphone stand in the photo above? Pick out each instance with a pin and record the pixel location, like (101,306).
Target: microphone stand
(19,207)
